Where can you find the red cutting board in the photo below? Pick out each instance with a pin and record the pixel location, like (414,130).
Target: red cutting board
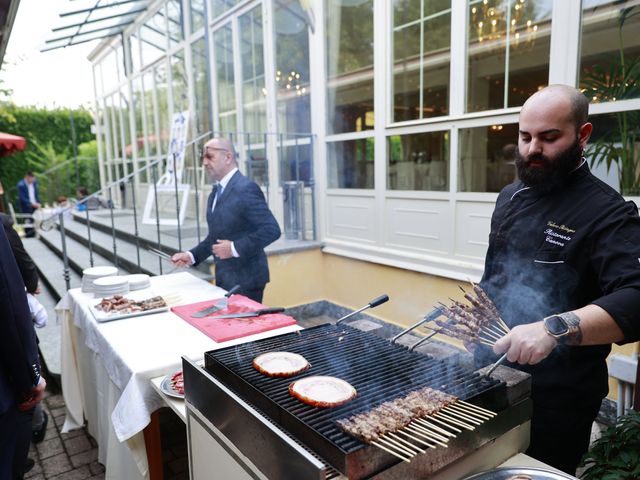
(231,328)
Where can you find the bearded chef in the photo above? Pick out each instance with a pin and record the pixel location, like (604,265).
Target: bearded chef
(563,268)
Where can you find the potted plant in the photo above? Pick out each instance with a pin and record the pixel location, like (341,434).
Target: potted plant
(619,144)
(616,454)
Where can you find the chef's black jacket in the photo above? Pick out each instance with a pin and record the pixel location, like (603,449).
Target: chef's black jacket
(555,252)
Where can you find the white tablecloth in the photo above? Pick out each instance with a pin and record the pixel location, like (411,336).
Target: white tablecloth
(107,367)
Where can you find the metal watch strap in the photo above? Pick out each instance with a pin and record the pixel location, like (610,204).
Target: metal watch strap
(574,336)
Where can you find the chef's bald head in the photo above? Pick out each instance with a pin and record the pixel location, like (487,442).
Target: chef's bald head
(562,95)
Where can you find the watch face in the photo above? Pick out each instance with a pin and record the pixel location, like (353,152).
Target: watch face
(556,325)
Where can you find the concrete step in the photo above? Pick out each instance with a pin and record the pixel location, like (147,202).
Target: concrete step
(52,288)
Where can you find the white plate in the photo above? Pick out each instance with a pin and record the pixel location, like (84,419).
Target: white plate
(101,316)
(97,272)
(110,282)
(166,387)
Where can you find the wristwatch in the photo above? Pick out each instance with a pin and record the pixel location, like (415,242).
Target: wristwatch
(556,326)
(564,327)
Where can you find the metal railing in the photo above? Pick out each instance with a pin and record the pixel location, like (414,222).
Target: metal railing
(253,154)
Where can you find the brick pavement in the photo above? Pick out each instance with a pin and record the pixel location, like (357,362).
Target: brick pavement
(74,455)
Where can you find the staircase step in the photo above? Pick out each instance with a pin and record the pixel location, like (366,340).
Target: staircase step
(52,288)
(50,267)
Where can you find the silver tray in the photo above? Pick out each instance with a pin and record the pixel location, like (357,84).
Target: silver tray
(510,473)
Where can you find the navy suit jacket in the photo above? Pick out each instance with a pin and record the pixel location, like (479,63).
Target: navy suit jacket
(23,196)
(19,363)
(242,216)
(25,263)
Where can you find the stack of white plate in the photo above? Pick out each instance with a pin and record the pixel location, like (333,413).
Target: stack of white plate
(138,281)
(93,273)
(109,286)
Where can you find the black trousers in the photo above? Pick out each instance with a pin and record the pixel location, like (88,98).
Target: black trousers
(560,436)
(255,294)
(15,437)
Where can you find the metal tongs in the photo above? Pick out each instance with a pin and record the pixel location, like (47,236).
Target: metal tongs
(373,303)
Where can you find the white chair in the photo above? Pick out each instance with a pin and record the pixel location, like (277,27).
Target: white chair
(20,220)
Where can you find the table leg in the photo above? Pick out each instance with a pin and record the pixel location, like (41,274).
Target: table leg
(154,447)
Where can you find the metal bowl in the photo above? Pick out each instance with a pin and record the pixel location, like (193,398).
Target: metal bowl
(519,473)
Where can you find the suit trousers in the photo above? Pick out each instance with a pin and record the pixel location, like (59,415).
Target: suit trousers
(560,437)
(15,438)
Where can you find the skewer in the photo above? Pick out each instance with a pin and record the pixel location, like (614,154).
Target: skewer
(430,434)
(477,413)
(424,421)
(462,416)
(443,423)
(455,421)
(504,324)
(415,438)
(403,441)
(494,328)
(422,434)
(490,334)
(393,444)
(471,405)
(490,344)
(397,455)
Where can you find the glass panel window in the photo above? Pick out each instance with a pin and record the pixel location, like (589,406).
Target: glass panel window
(421,58)
(252,58)
(137,100)
(197,14)
(223,54)
(221,6)
(487,157)
(162,96)
(179,83)
(134,43)
(174,22)
(109,67)
(295,158)
(508,52)
(418,162)
(201,86)
(610,59)
(349,43)
(350,163)
(254,157)
(153,38)
(292,67)
(151,138)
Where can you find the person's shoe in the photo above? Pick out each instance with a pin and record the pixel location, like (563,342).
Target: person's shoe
(38,435)
(29,465)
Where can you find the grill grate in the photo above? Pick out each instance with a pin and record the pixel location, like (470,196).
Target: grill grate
(378,369)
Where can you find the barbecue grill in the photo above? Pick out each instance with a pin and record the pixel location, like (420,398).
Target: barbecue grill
(379,370)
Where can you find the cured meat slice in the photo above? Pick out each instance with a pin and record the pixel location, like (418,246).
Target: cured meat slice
(322,391)
(280,364)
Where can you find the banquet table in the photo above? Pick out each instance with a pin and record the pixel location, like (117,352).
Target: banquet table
(106,368)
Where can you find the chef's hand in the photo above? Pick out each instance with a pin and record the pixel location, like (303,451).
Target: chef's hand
(528,343)
(222,249)
(35,396)
(181,259)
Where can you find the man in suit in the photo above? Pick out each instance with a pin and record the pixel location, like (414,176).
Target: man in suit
(240,225)
(28,198)
(21,386)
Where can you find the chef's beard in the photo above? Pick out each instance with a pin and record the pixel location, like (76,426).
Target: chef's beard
(553,173)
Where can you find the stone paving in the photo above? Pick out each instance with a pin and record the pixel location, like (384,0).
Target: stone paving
(74,455)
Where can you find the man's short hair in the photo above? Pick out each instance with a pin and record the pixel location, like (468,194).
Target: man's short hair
(29,174)
(578,101)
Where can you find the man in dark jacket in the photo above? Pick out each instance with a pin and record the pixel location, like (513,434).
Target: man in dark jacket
(563,268)
(21,386)
(25,263)
(240,225)
(28,198)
